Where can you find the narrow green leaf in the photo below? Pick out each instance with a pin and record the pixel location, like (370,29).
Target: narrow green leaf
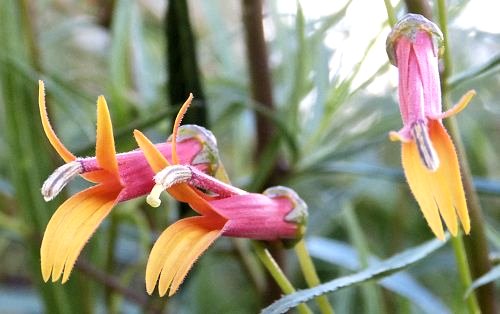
(385,268)
(489,67)
(345,256)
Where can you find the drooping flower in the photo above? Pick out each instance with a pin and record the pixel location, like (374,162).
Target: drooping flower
(118,177)
(428,155)
(224,210)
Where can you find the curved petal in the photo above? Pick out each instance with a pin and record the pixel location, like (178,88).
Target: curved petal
(177,123)
(154,157)
(462,103)
(419,181)
(65,154)
(105,143)
(439,193)
(177,249)
(71,226)
(449,172)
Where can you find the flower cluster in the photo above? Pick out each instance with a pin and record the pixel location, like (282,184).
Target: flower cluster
(188,166)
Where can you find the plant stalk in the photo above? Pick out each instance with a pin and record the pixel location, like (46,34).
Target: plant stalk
(476,245)
(311,276)
(464,272)
(277,274)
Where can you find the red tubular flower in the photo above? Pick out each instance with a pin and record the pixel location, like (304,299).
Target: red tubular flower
(119,177)
(278,213)
(428,155)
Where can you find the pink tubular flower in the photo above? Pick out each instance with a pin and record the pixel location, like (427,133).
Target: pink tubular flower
(119,177)
(224,210)
(429,158)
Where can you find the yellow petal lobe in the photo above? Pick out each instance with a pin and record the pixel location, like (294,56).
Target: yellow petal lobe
(155,159)
(419,182)
(65,154)
(70,228)
(449,171)
(177,123)
(105,143)
(177,249)
(439,193)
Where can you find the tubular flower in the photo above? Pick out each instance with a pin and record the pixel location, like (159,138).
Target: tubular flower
(224,210)
(118,177)
(428,155)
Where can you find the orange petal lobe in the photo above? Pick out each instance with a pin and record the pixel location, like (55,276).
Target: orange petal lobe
(418,179)
(439,194)
(155,159)
(449,171)
(177,249)
(105,143)
(177,123)
(71,226)
(65,154)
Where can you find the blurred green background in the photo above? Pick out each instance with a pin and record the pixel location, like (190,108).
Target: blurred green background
(335,100)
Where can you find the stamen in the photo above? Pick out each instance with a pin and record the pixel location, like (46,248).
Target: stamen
(172,175)
(153,199)
(59,178)
(426,150)
(165,179)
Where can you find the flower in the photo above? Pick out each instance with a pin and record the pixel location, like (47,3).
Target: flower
(428,155)
(224,210)
(119,177)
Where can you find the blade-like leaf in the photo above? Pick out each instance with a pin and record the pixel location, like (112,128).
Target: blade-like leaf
(344,255)
(383,269)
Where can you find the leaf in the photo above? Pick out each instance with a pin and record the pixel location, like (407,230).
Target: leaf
(492,275)
(344,255)
(383,269)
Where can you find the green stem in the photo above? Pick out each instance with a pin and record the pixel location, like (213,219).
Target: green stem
(476,245)
(277,274)
(464,272)
(391,15)
(419,6)
(312,279)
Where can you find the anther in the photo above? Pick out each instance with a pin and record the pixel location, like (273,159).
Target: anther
(167,178)
(59,178)
(153,199)
(426,150)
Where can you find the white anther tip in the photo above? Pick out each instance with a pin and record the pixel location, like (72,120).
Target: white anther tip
(153,201)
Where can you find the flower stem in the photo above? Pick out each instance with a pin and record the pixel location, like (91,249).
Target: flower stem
(476,246)
(312,279)
(464,272)
(391,16)
(277,274)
